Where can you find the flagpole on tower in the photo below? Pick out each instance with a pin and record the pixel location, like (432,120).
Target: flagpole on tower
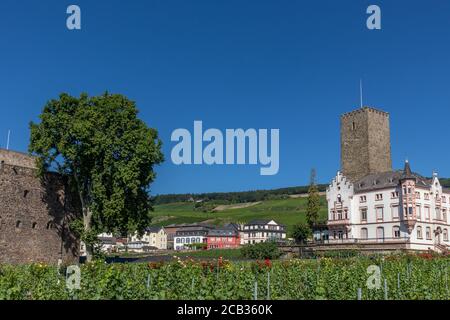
(360,93)
(7,140)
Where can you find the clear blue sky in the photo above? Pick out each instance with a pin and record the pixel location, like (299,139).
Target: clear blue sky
(292,65)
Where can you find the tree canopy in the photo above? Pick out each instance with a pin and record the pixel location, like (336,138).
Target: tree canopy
(107,153)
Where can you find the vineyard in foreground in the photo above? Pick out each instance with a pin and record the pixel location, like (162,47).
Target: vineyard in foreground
(402,277)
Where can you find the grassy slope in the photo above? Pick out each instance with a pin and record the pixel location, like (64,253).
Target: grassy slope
(287,211)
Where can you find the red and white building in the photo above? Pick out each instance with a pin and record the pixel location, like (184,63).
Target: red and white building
(395,207)
(223,238)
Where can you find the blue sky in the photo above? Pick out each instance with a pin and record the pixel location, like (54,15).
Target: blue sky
(292,65)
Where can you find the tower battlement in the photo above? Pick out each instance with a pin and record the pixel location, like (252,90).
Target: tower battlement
(18,159)
(365,109)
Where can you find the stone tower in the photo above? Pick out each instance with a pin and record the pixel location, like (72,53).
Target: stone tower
(365,143)
(35,214)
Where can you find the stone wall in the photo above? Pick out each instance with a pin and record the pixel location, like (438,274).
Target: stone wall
(365,143)
(34,214)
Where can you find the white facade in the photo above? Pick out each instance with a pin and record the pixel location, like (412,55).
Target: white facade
(185,237)
(154,237)
(257,231)
(393,208)
(182,242)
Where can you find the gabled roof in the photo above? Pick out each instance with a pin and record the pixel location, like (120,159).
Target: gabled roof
(153,229)
(259,221)
(222,232)
(390,179)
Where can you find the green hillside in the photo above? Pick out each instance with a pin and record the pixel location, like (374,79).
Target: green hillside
(286,211)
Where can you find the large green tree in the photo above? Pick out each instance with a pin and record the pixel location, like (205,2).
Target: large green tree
(313,204)
(107,153)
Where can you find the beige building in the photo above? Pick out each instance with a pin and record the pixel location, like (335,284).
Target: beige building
(153,237)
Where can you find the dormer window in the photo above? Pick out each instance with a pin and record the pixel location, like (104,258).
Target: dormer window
(394,195)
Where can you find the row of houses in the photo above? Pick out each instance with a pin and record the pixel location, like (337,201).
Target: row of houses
(195,236)
(202,235)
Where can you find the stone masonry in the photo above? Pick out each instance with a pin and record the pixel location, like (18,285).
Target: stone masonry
(34,214)
(365,143)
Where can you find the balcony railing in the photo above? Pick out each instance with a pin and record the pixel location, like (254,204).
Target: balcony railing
(365,241)
(338,222)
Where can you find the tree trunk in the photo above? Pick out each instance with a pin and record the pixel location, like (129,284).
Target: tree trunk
(87,219)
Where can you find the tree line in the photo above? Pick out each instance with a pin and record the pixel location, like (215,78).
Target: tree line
(235,197)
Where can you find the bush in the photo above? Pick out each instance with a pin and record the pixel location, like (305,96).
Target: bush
(301,232)
(262,250)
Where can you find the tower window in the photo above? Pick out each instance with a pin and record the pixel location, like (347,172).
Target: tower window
(50,225)
(353,125)
(19,224)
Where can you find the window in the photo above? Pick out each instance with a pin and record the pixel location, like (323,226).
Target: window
(379,196)
(339,214)
(380,233)
(438,213)
(444,215)
(418,211)
(396,231)
(419,232)
(410,210)
(362,199)
(394,195)
(417,195)
(445,232)
(363,214)
(25,193)
(34,225)
(379,211)
(395,212)
(444,199)
(353,126)
(426,196)
(339,198)
(427,213)
(19,224)
(364,234)
(428,233)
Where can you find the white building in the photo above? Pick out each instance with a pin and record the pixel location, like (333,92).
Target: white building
(185,237)
(153,236)
(394,207)
(263,230)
